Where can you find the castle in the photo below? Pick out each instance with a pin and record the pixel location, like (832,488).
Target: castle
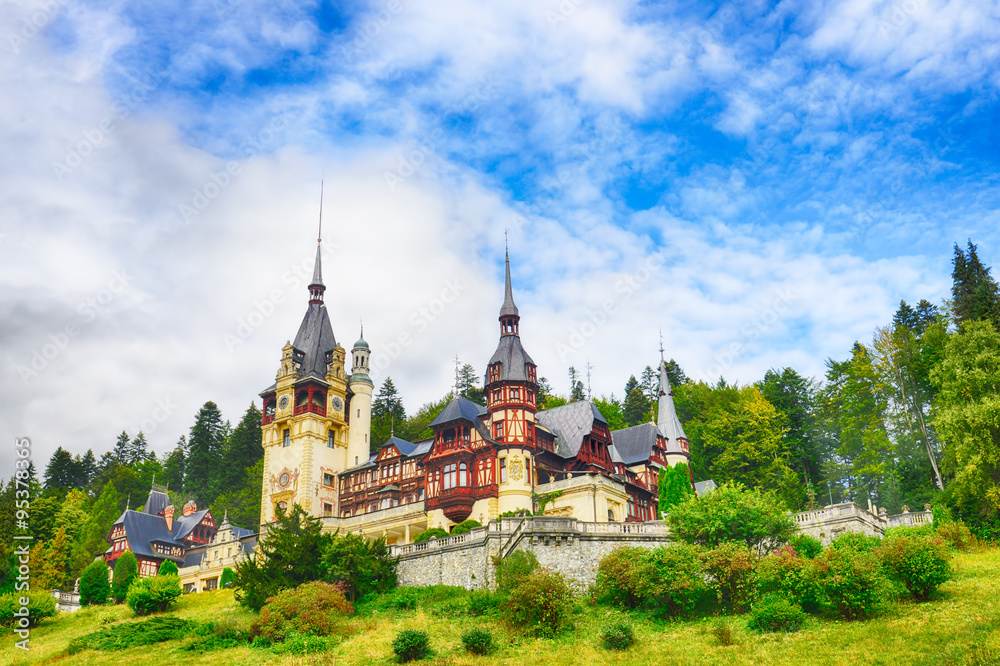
(481,463)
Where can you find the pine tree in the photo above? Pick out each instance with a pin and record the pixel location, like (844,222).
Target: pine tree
(62,472)
(975,294)
(243,448)
(121,450)
(87,469)
(468,384)
(138,451)
(675,374)
(674,486)
(102,515)
(544,392)
(635,409)
(173,466)
(576,392)
(126,572)
(205,445)
(94,585)
(650,383)
(387,413)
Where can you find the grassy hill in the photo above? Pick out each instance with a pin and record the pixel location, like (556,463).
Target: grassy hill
(961,627)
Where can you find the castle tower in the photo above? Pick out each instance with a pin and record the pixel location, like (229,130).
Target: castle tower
(304,424)
(511,390)
(667,421)
(360,418)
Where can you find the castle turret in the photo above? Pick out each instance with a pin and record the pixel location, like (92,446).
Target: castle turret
(361,386)
(668,423)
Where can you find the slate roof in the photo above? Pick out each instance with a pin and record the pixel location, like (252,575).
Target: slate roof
(570,423)
(508,309)
(635,444)
(156,502)
(184,524)
(314,339)
(459,408)
(142,528)
(666,413)
(705,487)
(512,358)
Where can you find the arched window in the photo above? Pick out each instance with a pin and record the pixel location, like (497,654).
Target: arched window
(463,474)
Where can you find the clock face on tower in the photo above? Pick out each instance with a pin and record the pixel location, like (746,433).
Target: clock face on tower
(283,403)
(337,403)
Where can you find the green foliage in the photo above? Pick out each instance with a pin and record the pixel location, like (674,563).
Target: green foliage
(387,413)
(636,408)
(168,568)
(512,569)
(482,602)
(733,513)
(303,644)
(466,526)
(967,416)
(40,606)
(674,486)
(242,499)
(856,541)
(975,295)
(806,546)
(242,449)
(540,603)
(667,580)
(291,553)
(313,608)
(617,635)
(611,410)
(851,583)
(360,565)
(957,535)
(478,641)
(126,571)
(920,564)
(228,578)
(729,567)
(206,444)
(775,612)
(723,630)
(148,595)
(95,588)
(432,533)
(783,571)
(133,634)
(410,645)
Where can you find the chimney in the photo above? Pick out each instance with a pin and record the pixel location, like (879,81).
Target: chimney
(168,513)
(190,508)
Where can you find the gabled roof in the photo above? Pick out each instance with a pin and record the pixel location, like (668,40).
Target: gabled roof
(314,339)
(404,447)
(635,444)
(571,423)
(141,529)
(156,502)
(184,524)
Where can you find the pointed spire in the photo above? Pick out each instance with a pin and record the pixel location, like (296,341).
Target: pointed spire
(316,287)
(509,316)
(666,413)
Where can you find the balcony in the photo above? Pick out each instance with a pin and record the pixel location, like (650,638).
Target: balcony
(314,409)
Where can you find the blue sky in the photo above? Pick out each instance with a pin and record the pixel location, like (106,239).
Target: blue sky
(764,182)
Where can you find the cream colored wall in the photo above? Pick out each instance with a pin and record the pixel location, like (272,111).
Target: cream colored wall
(514,494)
(358,446)
(587,498)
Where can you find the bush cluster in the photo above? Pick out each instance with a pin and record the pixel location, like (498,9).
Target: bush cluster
(168,568)
(126,571)
(729,568)
(920,564)
(776,612)
(478,641)
(541,602)
(427,535)
(410,645)
(149,595)
(513,568)
(667,580)
(312,608)
(957,535)
(617,635)
(465,526)
(40,606)
(95,588)
(806,546)
(130,634)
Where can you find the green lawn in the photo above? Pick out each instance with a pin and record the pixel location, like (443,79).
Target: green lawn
(961,627)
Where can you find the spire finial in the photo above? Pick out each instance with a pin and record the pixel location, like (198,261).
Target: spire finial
(319,235)
(662,360)
(316,287)
(508,309)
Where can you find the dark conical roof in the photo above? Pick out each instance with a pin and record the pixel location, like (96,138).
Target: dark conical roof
(512,358)
(314,339)
(318,267)
(508,309)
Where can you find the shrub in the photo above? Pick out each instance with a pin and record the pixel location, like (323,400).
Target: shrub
(733,513)
(776,612)
(910,530)
(513,568)
(784,572)
(153,594)
(851,583)
(806,546)
(957,535)
(541,603)
(296,643)
(168,568)
(411,644)
(482,602)
(126,571)
(617,635)
(227,579)
(856,541)
(478,641)
(730,570)
(920,564)
(465,526)
(618,577)
(722,629)
(312,608)
(40,605)
(131,634)
(434,532)
(360,565)
(95,588)
(670,578)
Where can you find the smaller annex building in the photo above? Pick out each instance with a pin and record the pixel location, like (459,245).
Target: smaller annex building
(200,548)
